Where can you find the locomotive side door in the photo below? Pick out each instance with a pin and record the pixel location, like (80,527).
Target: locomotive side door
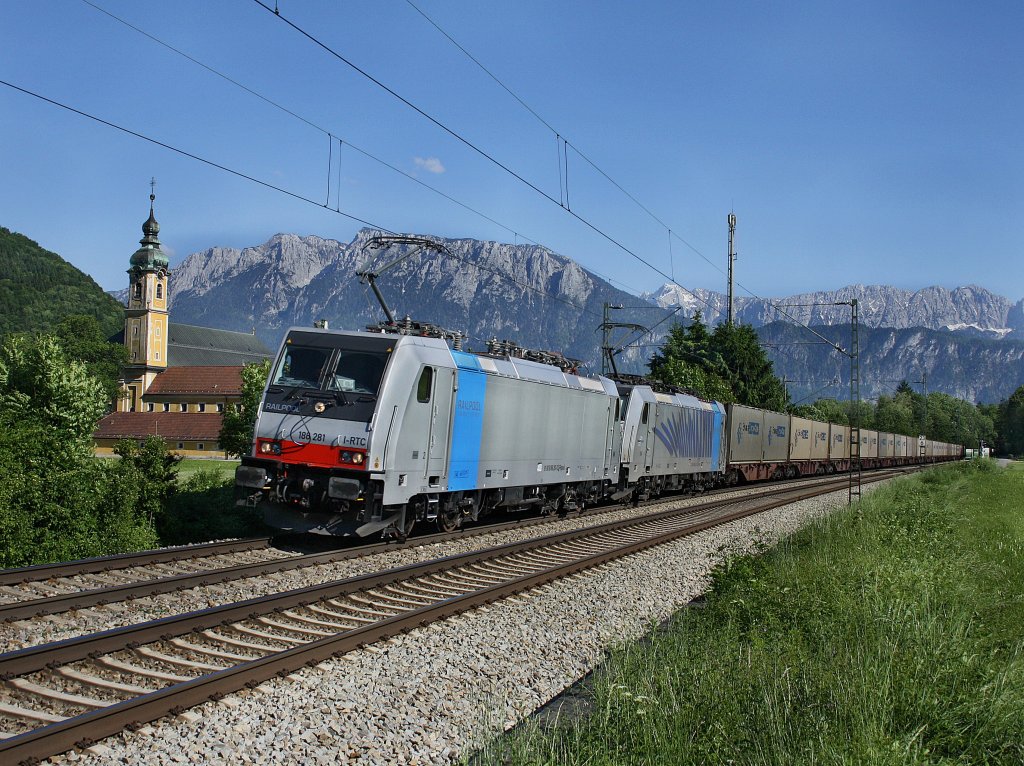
(648,419)
(440,422)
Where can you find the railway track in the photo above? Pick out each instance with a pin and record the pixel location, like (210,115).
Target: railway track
(51,588)
(59,696)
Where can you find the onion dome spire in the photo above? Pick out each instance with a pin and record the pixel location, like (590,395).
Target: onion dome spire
(149,256)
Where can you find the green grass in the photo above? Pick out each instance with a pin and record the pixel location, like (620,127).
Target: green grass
(190,466)
(891,634)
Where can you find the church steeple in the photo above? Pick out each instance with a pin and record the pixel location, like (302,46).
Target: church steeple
(146,319)
(149,255)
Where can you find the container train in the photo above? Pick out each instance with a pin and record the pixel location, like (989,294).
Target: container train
(369,433)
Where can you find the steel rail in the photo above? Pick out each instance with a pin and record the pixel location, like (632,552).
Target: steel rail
(84,599)
(84,729)
(36,658)
(39,572)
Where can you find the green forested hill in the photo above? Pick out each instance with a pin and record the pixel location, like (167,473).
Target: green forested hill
(39,288)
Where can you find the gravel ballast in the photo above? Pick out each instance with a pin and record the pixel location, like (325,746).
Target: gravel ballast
(430,696)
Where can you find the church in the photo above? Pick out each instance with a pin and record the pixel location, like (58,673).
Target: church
(180,378)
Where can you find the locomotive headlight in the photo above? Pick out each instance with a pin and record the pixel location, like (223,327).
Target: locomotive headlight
(346,457)
(319,407)
(270,448)
(357,458)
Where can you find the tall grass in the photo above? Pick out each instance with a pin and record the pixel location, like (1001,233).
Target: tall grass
(892,633)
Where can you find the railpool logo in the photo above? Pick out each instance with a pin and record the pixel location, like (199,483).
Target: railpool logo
(776,432)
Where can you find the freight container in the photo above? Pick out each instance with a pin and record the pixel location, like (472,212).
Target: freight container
(800,433)
(868,443)
(839,442)
(746,428)
(775,440)
(819,440)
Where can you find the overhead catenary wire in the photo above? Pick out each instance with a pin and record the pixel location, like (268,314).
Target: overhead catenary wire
(565,144)
(274,187)
(465,141)
(341,142)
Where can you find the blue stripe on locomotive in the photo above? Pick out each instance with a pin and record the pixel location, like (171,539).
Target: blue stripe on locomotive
(716,437)
(468,425)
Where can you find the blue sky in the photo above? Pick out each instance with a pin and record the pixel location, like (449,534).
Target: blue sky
(874,143)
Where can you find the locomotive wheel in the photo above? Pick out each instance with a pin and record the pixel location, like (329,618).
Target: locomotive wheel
(402,532)
(448,520)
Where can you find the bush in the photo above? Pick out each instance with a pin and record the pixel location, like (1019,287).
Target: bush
(203,508)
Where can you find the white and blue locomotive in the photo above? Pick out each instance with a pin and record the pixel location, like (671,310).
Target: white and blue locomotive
(363,433)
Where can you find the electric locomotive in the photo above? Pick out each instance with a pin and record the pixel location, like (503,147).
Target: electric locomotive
(364,432)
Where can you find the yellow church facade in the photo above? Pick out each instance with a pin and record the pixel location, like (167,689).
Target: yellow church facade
(180,378)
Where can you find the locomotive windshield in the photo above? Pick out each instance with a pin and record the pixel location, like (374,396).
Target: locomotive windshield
(342,371)
(302,366)
(357,372)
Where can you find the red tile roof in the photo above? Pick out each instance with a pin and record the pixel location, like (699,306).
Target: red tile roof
(217,382)
(172,426)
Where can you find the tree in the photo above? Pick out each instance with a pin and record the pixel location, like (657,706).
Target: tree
(236,430)
(57,501)
(751,374)
(1011,423)
(825,411)
(727,364)
(152,467)
(83,339)
(894,415)
(40,384)
(687,361)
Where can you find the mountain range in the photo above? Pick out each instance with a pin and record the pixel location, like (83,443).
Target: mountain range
(970,310)
(967,342)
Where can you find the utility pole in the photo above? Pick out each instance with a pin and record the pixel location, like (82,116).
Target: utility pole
(606,331)
(855,462)
(608,351)
(924,409)
(732,258)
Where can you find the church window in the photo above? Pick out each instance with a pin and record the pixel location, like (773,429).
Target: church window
(138,291)
(157,330)
(158,356)
(159,290)
(135,330)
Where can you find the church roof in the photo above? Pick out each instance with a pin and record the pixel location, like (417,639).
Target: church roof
(188,345)
(217,381)
(183,426)
(191,346)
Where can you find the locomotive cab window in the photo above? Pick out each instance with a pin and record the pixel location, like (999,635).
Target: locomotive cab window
(425,384)
(644,413)
(302,366)
(357,372)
